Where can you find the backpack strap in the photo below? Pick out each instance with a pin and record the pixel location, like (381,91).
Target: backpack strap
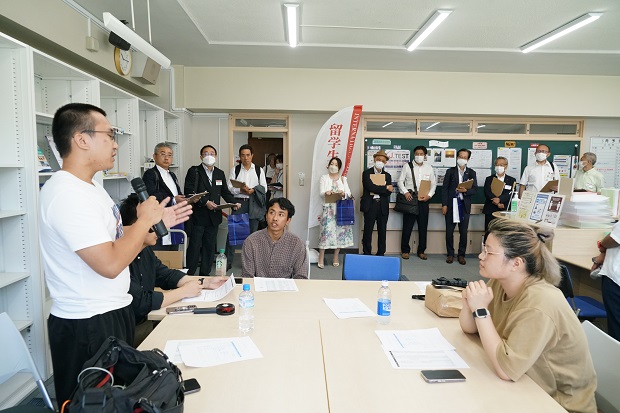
(256,169)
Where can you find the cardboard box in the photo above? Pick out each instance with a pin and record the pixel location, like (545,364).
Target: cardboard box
(171,259)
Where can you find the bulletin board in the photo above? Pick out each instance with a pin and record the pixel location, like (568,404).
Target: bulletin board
(484,153)
(607,150)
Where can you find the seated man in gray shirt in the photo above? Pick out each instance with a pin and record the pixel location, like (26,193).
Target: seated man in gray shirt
(273,252)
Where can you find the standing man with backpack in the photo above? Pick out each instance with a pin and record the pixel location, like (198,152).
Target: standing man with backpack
(536,176)
(252,196)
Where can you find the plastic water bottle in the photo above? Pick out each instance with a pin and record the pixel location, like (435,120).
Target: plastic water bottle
(384,303)
(220,263)
(246,310)
(514,204)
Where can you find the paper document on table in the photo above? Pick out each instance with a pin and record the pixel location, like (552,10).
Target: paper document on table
(214,295)
(218,351)
(429,339)
(274,284)
(348,307)
(425,360)
(422,285)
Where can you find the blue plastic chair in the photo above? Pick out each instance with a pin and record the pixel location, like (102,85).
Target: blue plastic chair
(586,308)
(370,268)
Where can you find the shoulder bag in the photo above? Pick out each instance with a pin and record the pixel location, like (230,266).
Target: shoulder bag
(404,206)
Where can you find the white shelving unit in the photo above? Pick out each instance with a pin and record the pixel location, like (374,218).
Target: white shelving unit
(34,85)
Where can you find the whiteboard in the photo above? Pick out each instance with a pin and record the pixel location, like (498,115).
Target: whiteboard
(607,150)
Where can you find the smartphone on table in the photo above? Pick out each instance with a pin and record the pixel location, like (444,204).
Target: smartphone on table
(442,376)
(190,386)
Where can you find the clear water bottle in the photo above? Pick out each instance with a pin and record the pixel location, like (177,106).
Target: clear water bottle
(384,303)
(220,263)
(246,310)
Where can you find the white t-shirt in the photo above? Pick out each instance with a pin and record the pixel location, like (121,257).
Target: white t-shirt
(249,177)
(611,265)
(75,215)
(536,176)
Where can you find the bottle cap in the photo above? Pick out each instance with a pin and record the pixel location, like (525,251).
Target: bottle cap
(222,250)
(384,283)
(246,287)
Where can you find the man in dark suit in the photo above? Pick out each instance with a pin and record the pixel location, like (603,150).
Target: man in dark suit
(161,182)
(456,204)
(493,202)
(205,219)
(375,203)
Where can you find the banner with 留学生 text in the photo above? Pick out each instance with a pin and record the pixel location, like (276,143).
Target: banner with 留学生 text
(336,139)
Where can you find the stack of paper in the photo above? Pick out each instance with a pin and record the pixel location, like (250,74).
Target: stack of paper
(419,349)
(614,197)
(274,284)
(587,210)
(211,352)
(348,307)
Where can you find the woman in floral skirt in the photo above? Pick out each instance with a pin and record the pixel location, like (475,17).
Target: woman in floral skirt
(332,235)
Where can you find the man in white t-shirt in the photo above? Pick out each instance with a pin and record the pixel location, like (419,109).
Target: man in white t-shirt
(536,176)
(85,251)
(609,262)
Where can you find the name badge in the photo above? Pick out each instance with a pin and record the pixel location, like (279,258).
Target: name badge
(508,187)
(218,182)
(426,177)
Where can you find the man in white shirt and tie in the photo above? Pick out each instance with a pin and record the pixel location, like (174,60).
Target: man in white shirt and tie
(536,176)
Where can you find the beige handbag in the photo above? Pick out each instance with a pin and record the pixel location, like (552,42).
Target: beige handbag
(445,302)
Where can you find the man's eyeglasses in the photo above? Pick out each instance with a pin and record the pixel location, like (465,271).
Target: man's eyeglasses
(111,133)
(486,252)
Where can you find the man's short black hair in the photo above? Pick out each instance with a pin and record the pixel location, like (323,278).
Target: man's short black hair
(284,204)
(420,148)
(129,209)
(208,146)
(464,150)
(246,146)
(70,119)
(279,158)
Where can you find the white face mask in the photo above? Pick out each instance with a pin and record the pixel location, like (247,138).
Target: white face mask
(278,166)
(419,159)
(499,170)
(461,162)
(208,160)
(379,165)
(333,169)
(540,156)
(582,164)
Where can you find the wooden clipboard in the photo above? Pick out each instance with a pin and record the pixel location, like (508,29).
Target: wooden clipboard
(333,198)
(548,185)
(424,188)
(195,197)
(467,184)
(237,184)
(378,179)
(497,186)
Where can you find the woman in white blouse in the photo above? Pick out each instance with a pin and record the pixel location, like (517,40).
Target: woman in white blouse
(332,235)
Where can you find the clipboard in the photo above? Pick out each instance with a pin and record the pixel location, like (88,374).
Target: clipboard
(548,185)
(497,186)
(237,184)
(467,184)
(333,198)
(195,197)
(378,179)
(222,206)
(424,188)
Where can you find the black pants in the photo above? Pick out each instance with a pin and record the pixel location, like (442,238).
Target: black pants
(230,249)
(370,216)
(463,225)
(408,221)
(203,239)
(74,341)
(611,300)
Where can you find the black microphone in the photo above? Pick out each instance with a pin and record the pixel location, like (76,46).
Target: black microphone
(138,186)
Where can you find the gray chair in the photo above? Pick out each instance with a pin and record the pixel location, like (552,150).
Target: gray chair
(605,352)
(14,358)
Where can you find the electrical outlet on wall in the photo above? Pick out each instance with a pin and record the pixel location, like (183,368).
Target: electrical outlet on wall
(302,179)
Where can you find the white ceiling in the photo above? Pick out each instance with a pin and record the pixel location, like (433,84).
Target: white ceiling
(479,35)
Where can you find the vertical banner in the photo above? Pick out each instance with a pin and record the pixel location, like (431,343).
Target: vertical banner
(336,139)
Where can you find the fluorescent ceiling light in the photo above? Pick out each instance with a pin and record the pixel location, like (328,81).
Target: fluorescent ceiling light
(113,24)
(387,124)
(433,124)
(291,23)
(429,26)
(561,31)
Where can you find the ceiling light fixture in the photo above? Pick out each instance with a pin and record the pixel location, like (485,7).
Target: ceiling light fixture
(292,23)
(387,124)
(430,25)
(561,31)
(433,124)
(113,24)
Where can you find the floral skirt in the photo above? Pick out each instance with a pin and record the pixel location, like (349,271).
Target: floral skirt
(333,235)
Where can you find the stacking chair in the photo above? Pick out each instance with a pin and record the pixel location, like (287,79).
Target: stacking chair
(605,352)
(15,358)
(586,308)
(370,267)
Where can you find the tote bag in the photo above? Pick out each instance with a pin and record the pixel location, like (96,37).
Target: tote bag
(238,228)
(345,212)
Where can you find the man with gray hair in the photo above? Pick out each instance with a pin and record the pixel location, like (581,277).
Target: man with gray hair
(587,178)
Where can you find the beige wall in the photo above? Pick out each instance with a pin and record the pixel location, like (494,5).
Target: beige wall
(308,90)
